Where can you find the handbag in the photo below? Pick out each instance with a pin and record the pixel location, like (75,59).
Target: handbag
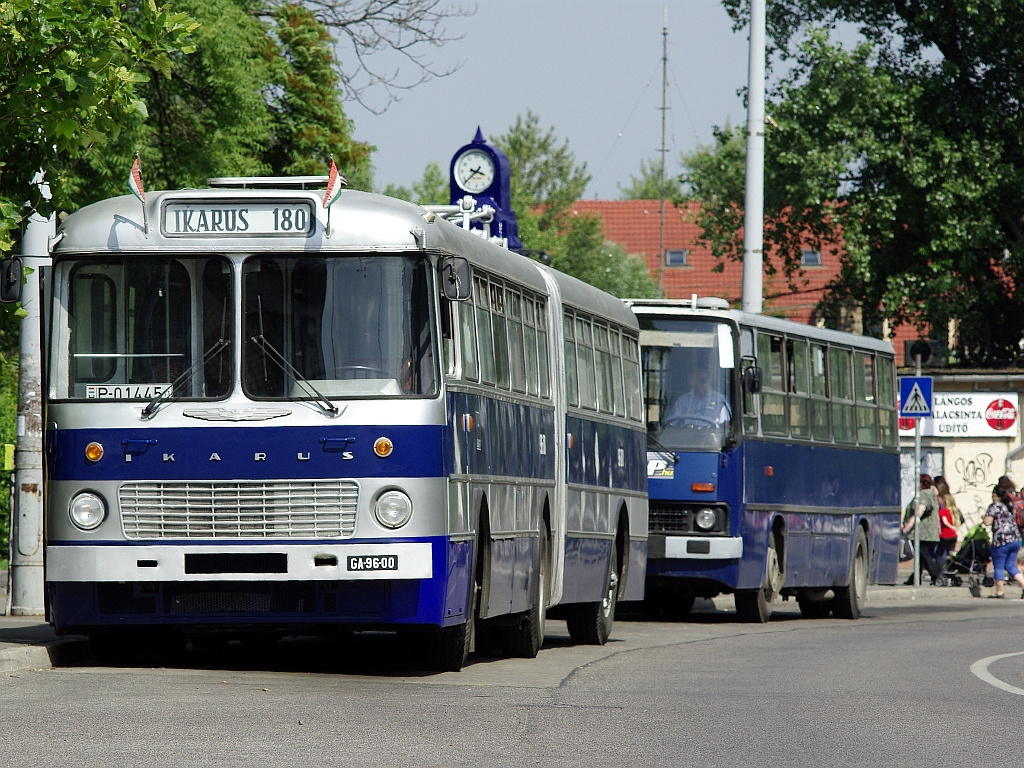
(906,549)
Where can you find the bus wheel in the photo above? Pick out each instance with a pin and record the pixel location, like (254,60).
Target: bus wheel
(849,599)
(526,637)
(447,649)
(591,623)
(814,609)
(755,605)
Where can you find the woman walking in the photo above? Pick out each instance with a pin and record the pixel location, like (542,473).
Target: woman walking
(1005,540)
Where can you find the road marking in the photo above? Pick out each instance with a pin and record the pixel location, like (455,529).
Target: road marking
(980,670)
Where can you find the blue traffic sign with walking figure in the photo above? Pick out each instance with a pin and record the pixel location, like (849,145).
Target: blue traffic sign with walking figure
(915,397)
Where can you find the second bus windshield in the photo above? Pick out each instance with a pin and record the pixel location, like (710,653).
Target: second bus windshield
(688,383)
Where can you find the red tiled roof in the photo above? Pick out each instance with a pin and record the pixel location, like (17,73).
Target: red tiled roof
(635,225)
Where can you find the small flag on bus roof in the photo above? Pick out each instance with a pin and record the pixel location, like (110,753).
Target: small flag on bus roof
(335,181)
(135,180)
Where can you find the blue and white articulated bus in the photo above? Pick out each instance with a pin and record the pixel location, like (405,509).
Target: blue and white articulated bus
(268,415)
(773,460)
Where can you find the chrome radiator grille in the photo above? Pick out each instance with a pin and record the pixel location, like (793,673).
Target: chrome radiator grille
(239,509)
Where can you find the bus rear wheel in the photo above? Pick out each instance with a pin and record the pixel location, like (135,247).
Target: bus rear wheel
(849,599)
(525,638)
(591,623)
(755,605)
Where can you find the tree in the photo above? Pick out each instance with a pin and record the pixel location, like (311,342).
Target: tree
(309,124)
(545,183)
(258,97)
(908,148)
(73,71)
(650,185)
(379,33)
(430,189)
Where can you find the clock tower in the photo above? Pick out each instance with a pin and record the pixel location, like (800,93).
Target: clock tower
(481,171)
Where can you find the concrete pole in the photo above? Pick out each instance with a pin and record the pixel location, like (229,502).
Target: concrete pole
(753,207)
(917,491)
(26,575)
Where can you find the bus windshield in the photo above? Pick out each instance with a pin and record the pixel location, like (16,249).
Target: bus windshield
(136,326)
(688,382)
(350,326)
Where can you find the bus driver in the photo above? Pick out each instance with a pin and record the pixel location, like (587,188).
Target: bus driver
(701,406)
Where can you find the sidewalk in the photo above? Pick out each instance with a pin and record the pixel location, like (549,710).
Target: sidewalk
(28,642)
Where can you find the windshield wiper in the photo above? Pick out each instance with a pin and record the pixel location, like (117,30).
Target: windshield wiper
(167,395)
(659,448)
(325,405)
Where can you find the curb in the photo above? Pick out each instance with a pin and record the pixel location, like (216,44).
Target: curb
(65,651)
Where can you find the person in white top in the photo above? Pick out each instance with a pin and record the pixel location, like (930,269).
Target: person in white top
(700,407)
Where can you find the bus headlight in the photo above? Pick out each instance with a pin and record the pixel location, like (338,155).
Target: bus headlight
(706,519)
(393,509)
(87,510)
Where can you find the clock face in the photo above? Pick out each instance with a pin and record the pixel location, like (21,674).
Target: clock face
(474,171)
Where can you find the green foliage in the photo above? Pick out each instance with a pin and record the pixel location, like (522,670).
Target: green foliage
(260,95)
(908,147)
(310,124)
(545,183)
(73,71)
(649,185)
(430,189)
(8,423)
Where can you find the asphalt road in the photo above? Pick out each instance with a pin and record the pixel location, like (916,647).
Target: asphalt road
(894,688)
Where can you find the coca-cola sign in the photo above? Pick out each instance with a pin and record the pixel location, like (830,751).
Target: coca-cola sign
(1001,415)
(969,414)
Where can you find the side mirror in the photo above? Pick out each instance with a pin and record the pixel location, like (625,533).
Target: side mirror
(11,277)
(752,380)
(456,278)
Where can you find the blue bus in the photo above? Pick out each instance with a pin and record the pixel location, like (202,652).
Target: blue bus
(773,463)
(267,416)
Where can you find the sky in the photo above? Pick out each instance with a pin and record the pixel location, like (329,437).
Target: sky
(591,70)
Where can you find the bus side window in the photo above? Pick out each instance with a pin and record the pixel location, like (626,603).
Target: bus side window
(773,399)
(483,331)
(819,393)
(542,350)
(530,346)
(750,400)
(500,336)
(605,398)
(467,339)
(796,380)
(864,393)
(841,392)
(517,361)
(585,369)
(571,387)
(631,378)
(886,401)
(618,401)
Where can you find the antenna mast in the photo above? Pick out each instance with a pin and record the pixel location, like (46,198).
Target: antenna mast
(661,176)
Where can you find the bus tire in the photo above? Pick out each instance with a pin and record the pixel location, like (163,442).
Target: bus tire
(448,649)
(848,600)
(525,638)
(814,609)
(591,623)
(754,606)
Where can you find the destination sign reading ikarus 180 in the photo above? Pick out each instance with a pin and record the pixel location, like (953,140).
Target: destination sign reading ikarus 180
(227,218)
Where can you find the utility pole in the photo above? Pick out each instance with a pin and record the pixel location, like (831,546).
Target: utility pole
(661,178)
(26,574)
(753,208)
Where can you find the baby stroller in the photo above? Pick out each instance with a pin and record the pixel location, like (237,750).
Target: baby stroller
(970,562)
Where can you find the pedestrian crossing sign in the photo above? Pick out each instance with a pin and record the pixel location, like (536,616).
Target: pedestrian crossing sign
(915,397)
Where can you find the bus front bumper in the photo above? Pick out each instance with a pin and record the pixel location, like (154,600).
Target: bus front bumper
(695,547)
